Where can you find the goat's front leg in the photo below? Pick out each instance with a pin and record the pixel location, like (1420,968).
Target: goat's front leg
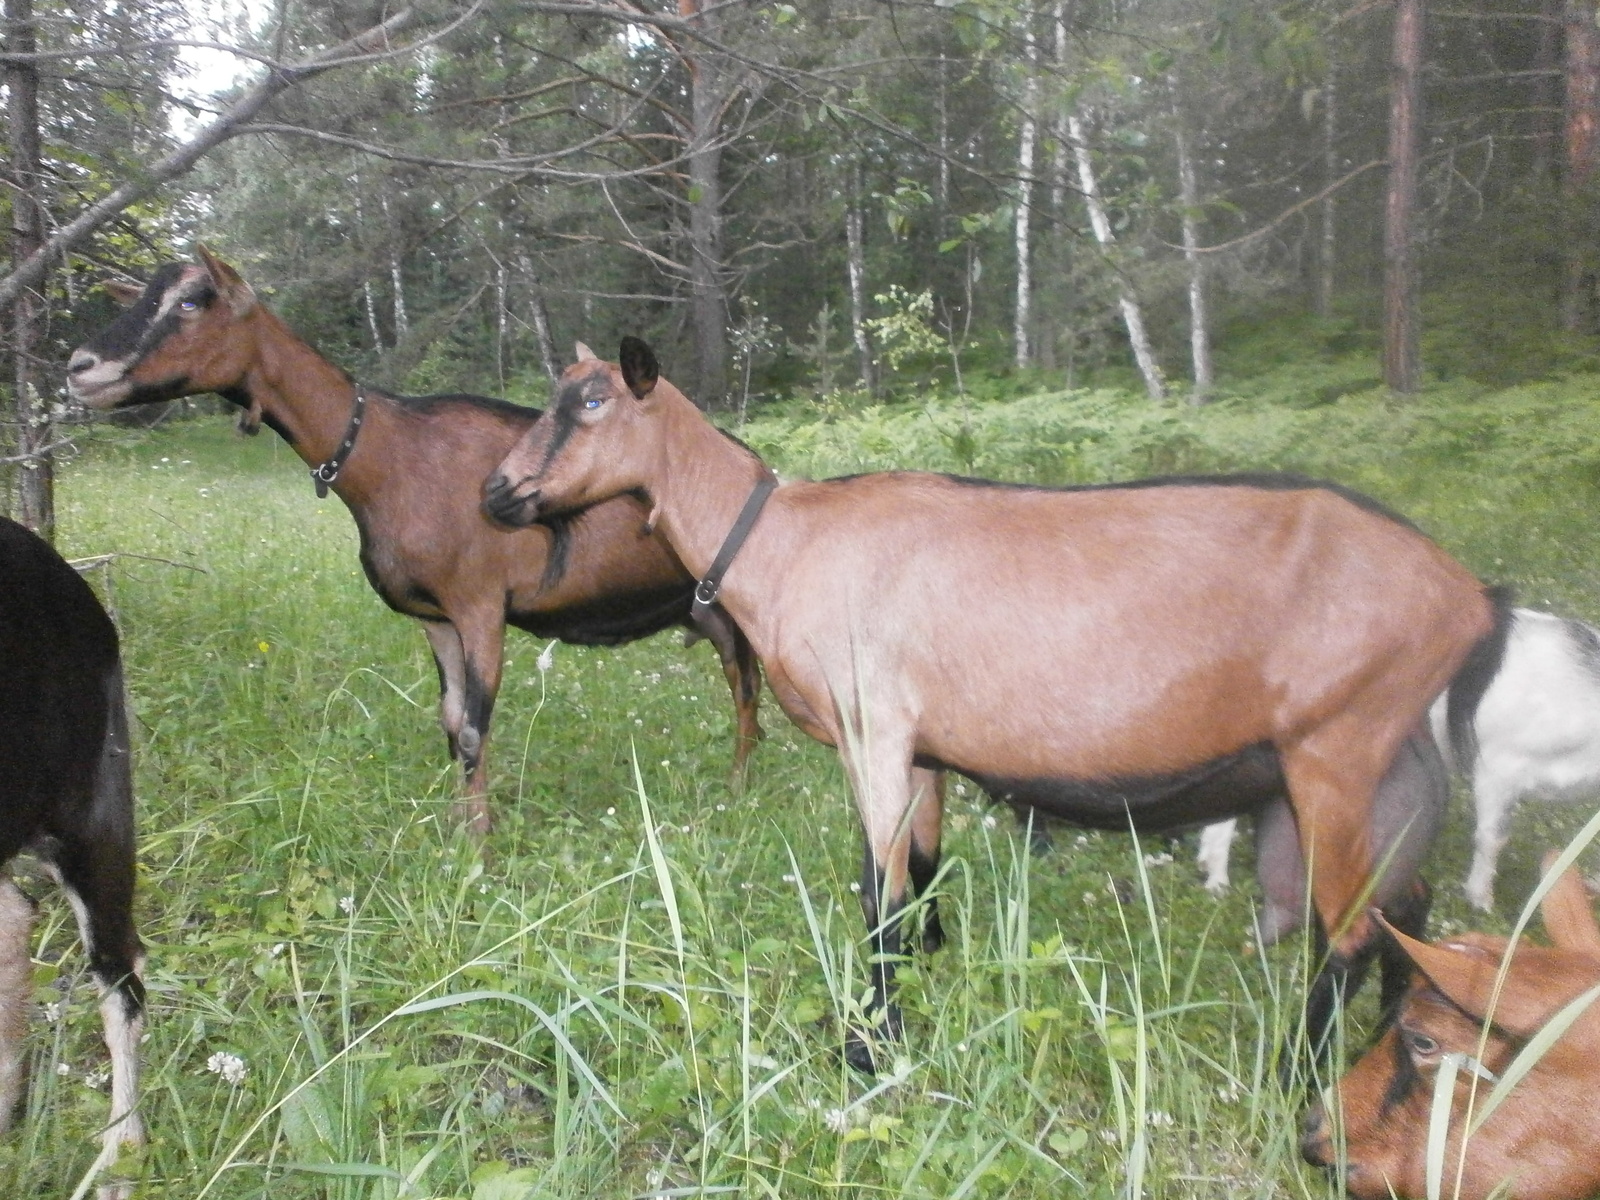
(16,996)
(927,822)
(445,643)
(881,775)
(742,670)
(479,638)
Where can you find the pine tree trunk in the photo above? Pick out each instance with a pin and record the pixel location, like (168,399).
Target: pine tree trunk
(1027,141)
(1402,359)
(36,470)
(856,254)
(1132,315)
(1199,320)
(708,302)
(1582,120)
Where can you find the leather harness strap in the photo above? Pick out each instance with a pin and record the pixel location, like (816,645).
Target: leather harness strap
(710,585)
(325,473)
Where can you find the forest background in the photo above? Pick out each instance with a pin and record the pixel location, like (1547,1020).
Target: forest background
(848,203)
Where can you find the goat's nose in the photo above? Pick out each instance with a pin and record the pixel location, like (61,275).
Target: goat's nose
(82,360)
(1316,1147)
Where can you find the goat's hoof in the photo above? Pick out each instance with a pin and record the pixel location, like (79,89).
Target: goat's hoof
(858,1053)
(932,936)
(474,817)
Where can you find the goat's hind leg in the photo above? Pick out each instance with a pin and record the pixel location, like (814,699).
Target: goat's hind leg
(16,995)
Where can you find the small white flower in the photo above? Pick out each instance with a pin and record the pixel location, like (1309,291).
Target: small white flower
(1109,1137)
(277,949)
(611,812)
(823,829)
(547,658)
(724,808)
(230,1066)
(855,887)
(52,1011)
(63,1068)
(347,905)
(666,762)
(988,821)
(961,1047)
(837,1119)
(1090,897)
(788,878)
(1157,860)
(97,1079)
(1080,840)
(813,1103)
(1160,1120)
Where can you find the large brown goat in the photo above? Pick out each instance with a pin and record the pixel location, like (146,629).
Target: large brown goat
(1543,1141)
(1111,655)
(410,470)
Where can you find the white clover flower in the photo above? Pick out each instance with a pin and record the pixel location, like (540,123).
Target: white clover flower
(52,1011)
(837,1119)
(547,658)
(989,821)
(97,1079)
(1160,1120)
(347,905)
(63,1068)
(230,1066)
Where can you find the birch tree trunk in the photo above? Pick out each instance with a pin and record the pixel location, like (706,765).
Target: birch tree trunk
(1132,315)
(1402,360)
(856,254)
(1027,141)
(1199,318)
(1330,169)
(1582,121)
(540,314)
(402,324)
(36,468)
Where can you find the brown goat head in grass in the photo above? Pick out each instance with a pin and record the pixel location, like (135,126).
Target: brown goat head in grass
(1542,1142)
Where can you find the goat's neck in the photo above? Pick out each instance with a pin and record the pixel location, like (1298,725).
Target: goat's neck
(308,399)
(700,484)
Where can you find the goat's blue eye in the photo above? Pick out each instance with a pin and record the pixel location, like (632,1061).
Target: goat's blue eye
(188,305)
(593,403)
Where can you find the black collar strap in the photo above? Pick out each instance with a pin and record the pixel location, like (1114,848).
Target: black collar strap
(707,590)
(327,472)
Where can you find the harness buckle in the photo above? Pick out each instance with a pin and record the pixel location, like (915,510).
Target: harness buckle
(705,592)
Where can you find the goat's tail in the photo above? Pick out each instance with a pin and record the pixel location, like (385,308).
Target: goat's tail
(1472,681)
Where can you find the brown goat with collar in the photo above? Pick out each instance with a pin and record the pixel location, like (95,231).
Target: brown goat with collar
(412,482)
(1543,1141)
(1112,655)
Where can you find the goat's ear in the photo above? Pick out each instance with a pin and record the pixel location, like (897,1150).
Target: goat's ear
(639,367)
(583,352)
(123,293)
(1568,917)
(229,283)
(1534,990)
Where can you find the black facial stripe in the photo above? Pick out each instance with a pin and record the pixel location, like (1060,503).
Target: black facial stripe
(138,331)
(1406,1077)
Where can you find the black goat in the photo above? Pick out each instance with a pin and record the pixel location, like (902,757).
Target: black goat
(66,795)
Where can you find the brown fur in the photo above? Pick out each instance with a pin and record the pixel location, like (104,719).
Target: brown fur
(412,484)
(1543,1141)
(1015,634)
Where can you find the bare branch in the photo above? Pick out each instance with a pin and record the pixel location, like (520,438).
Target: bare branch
(374,42)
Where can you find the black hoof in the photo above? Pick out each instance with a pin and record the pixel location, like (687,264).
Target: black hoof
(858,1054)
(932,934)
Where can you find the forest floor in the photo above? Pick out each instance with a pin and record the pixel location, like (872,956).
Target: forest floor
(641,991)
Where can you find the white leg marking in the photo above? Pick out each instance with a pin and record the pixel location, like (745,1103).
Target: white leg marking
(16,992)
(122,1039)
(1216,842)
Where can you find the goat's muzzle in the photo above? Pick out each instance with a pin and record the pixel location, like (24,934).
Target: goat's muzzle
(1316,1137)
(93,381)
(511,504)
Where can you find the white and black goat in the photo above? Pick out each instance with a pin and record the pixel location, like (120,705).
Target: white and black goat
(1537,736)
(66,796)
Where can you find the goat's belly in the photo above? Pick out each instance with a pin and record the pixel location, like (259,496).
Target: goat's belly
(1242,782)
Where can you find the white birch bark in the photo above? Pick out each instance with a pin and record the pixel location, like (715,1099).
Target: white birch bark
(1027,142)
(1199,318)
(1132,315)
(855,242)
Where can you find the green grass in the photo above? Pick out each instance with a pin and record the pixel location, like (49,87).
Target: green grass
(640,990)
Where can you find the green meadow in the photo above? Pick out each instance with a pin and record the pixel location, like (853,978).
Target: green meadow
(640,987)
